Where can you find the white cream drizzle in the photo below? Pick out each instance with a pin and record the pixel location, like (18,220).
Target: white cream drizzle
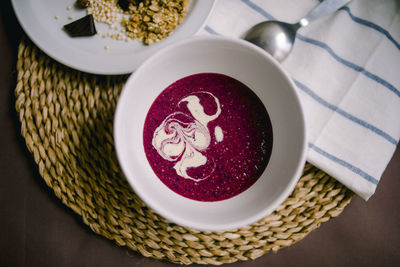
(175,139)
(219,135)
(197,110)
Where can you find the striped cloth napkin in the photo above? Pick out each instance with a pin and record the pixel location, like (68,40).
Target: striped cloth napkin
(347,70)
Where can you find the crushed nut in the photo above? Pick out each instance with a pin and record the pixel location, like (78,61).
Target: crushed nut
(82,3)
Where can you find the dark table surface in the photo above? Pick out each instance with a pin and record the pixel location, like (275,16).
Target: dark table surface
(37,230)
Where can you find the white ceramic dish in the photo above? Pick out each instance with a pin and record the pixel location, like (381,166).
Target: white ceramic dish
(37,18)
(246,63)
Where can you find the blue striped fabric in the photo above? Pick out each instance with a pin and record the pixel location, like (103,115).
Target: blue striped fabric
(329,50)
(379,131)
(259,9)
(349,64)
(345,114)
(371,25)
(343,163)
(210,30)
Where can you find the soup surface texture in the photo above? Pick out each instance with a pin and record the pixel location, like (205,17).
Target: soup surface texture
(208,137)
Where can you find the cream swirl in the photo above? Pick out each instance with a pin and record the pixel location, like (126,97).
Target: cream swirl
(181,137)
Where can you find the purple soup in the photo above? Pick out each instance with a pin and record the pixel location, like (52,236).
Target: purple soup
(208,137)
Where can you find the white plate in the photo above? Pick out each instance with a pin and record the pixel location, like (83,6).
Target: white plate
(37,18)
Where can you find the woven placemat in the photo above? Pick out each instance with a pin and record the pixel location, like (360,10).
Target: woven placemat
(66,119)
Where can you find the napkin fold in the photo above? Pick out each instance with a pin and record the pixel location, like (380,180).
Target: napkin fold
(347,70)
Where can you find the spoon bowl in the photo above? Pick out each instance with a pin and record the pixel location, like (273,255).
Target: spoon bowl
(276,37)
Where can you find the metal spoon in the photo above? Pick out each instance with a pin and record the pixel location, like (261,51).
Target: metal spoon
(277,37)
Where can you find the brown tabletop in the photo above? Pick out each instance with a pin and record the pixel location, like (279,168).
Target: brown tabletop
(37,230)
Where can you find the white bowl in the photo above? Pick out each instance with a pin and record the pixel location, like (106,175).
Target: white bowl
(261,73)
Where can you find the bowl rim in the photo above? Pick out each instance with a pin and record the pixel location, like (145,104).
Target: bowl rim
(289,187)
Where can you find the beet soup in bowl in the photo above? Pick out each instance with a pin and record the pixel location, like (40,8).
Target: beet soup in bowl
(210,133)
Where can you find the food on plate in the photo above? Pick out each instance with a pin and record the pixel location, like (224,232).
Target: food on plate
(151,21)
(81,27)
(146,20)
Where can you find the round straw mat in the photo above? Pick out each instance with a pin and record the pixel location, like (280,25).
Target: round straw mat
(66,119)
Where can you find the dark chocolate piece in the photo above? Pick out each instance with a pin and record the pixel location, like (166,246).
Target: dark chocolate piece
(82,3)
(124,4)
(81,27)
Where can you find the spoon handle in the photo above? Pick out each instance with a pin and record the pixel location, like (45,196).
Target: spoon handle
(325,8)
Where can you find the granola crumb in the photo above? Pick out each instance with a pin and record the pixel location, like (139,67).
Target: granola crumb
(149,21)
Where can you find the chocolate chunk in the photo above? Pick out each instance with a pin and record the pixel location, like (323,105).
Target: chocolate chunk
(82,3)
(124,4)
(81,27)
